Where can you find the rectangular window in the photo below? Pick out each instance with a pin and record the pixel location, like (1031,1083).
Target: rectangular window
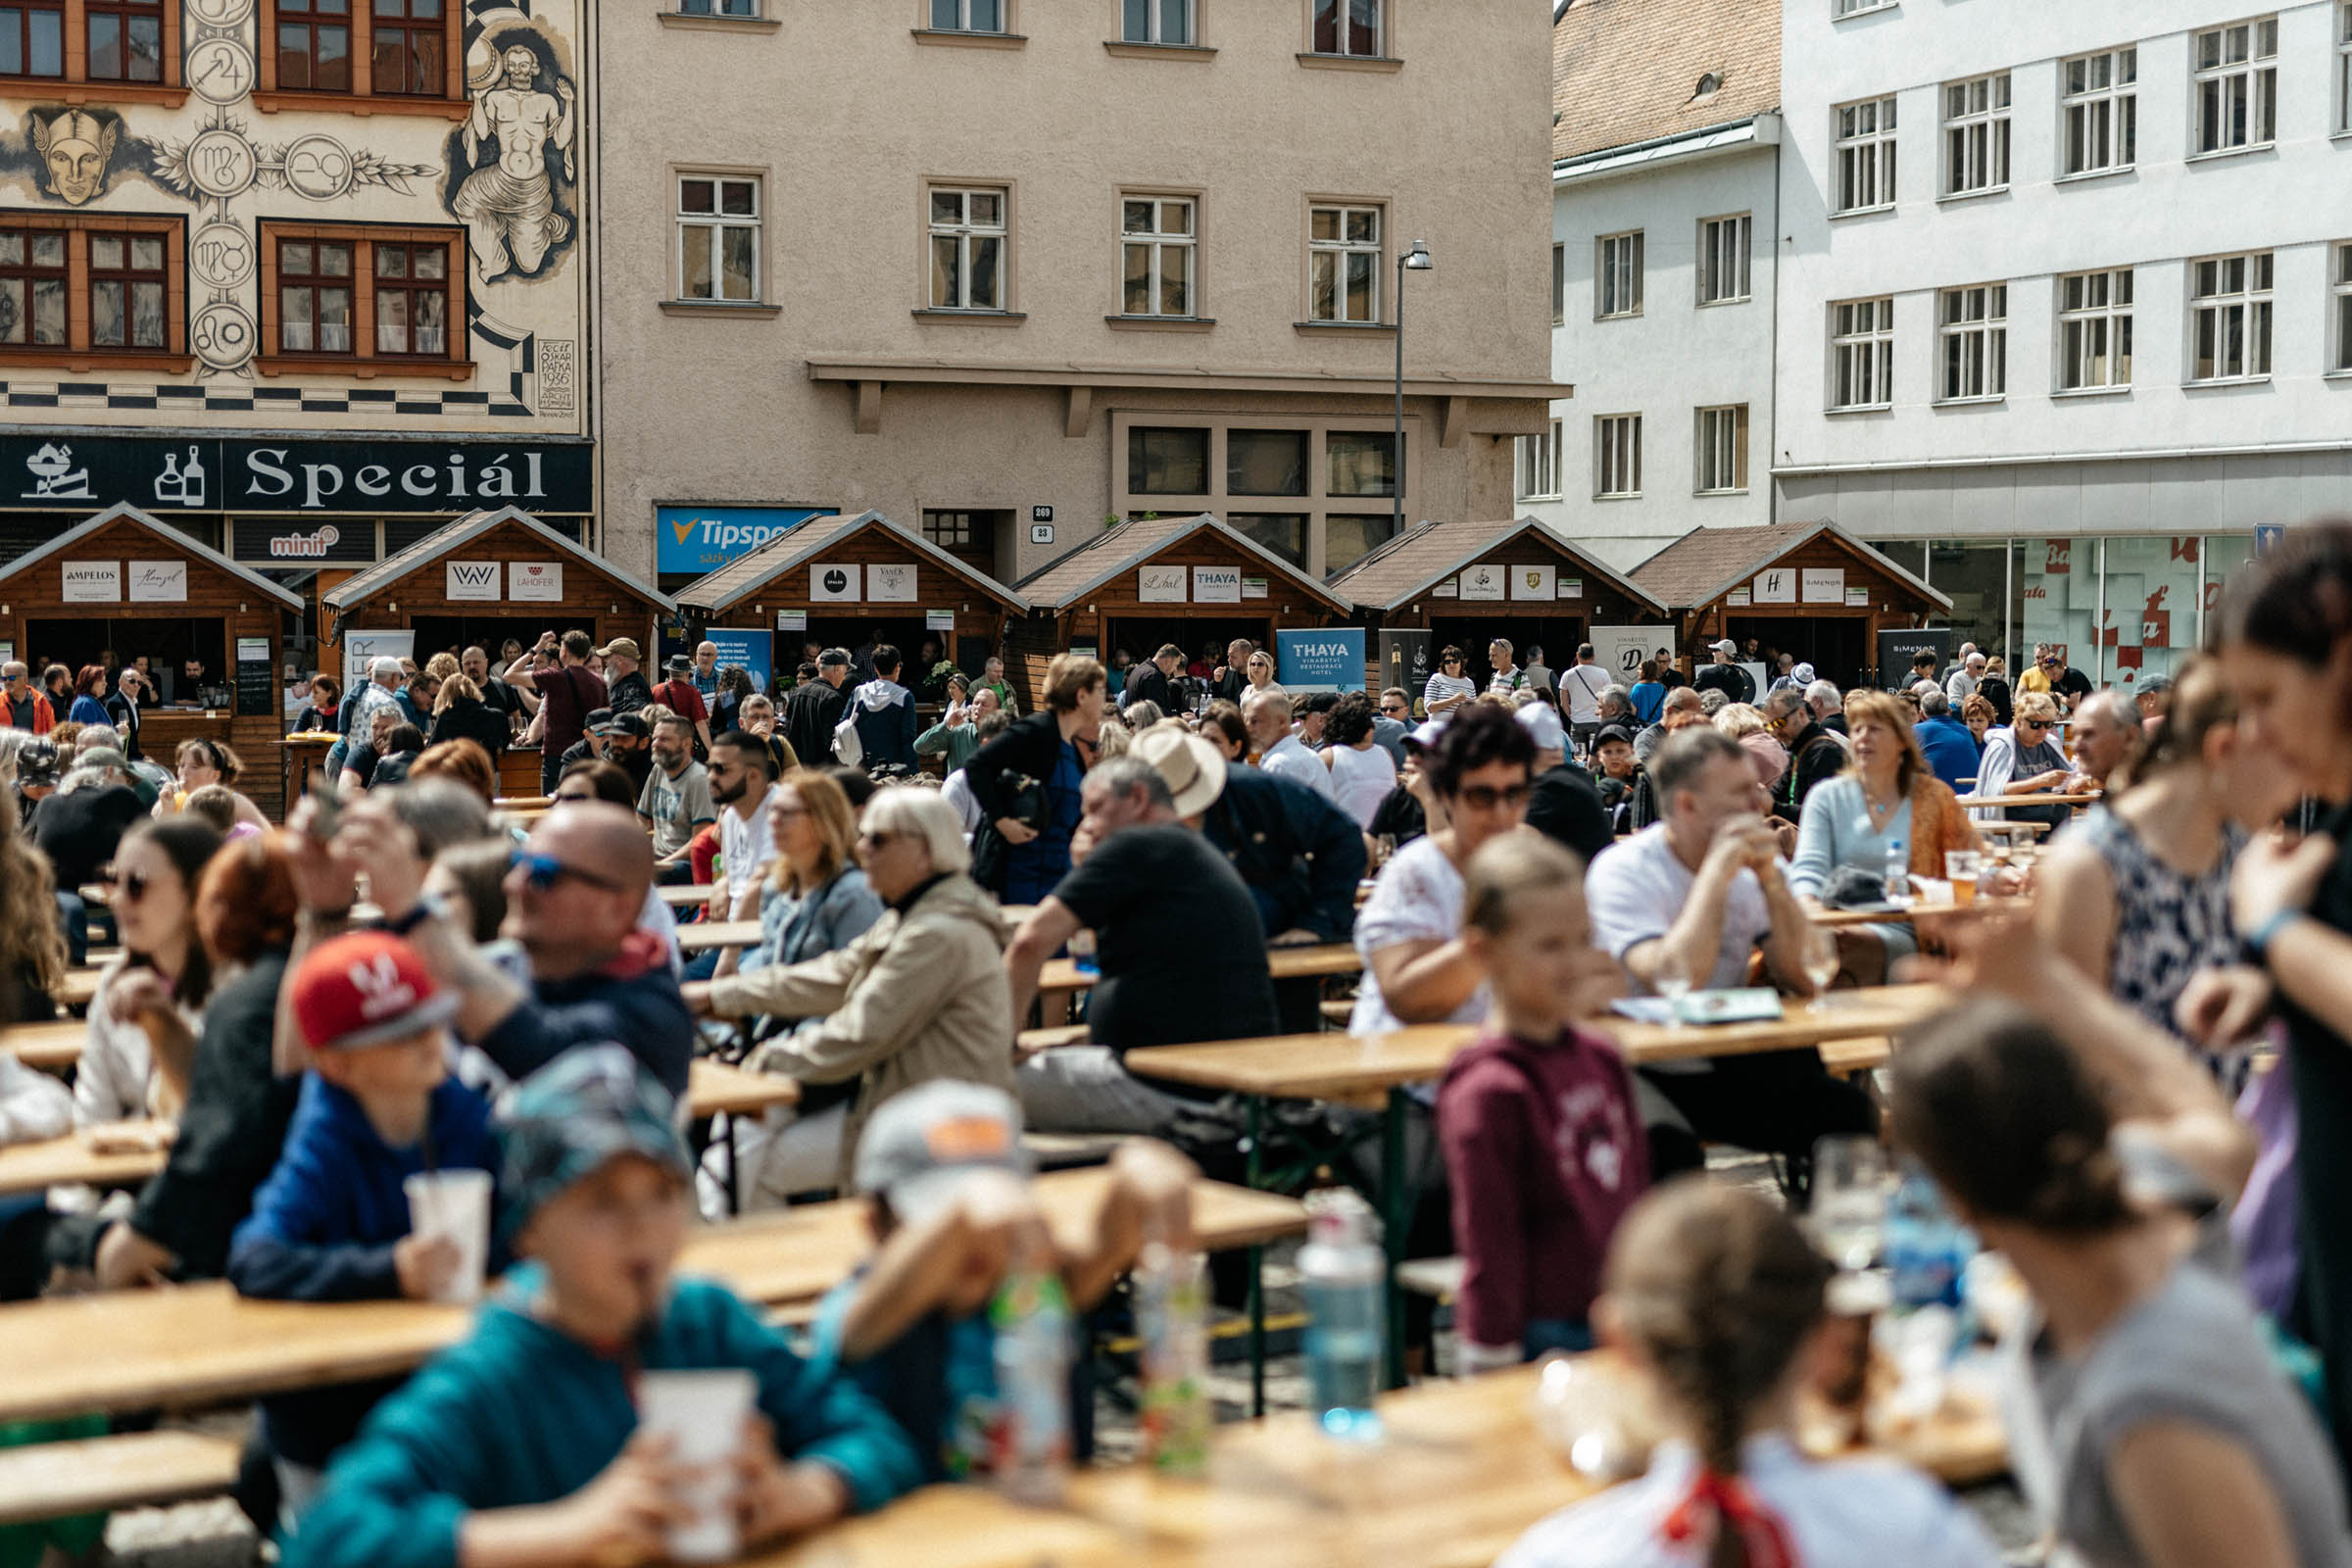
(1540,463)
(2099,96)
(1156,20)
(313,45)
(1157,248)
(1349,538)
(1723,259)
(1976,135)
(1617,455)
(390,297)
(1972,332)
(1167,461)
(2230,316)
(407,45)
(968,249)
(966,535)
(1265,463)
(1865,155)
(1862,352)
(2340,288)
(719,237)
(101,284)
(126,39)
(967,15)
(32,38)
(35,281)
(1723,450)
(1841,8)
(718,8)
(2238,85)
(1348,28)
(2095,329)
(1359,462)
(1343,260)
(128,292)
(1559,284)
(1617,275)
(1283,533)
(2343,66)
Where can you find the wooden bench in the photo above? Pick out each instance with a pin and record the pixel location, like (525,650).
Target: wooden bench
(1843,1058)
(97,1474)
(71,1161)
(47,1047)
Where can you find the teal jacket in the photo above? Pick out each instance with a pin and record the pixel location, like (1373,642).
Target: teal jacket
(522,1415)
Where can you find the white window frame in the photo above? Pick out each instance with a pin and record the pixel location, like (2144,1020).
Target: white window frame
(2096,330)
(1976,135)
(1161,240)
(1724,259)
(1862,137)
(2250,78)
(1839,10)
(1537,465)
(1862,336)
(733,10)
(1617,275)
(2251,305)
(717,222)
(1616,457)
(1380,31)
(1156,23)
(2103,111)
(1972,343)
(1340,250)
(1559,285)
(2339,289)
(962,21)
(2343,67)
(1721,451)
(964,231)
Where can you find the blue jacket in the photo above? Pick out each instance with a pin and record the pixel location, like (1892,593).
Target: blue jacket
(886,724)
(87,709)
(1300,855)
(1950,749)
(827,920)
(324,1225)
(522,1415)
(633,1002)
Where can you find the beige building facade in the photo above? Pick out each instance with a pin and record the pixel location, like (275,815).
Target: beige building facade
(1003,269)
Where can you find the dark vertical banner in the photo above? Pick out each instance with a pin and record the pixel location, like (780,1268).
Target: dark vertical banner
(1899,645)
(1405,661)
(258,694)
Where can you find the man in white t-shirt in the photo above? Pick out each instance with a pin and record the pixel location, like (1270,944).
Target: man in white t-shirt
(1280,752)
(742,768)
(1694,897)
(1581,686)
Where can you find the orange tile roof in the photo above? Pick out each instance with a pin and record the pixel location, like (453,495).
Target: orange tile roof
(1628,71)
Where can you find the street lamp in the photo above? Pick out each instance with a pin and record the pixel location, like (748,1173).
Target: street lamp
(1415,260)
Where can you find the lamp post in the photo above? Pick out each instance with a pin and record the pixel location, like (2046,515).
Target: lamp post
(1415,260)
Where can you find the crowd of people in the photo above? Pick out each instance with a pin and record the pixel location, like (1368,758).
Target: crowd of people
(2138,1105)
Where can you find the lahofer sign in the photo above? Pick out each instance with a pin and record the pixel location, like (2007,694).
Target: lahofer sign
(494,581)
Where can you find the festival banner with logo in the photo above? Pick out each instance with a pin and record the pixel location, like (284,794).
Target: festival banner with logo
(1328,660)
(752,648)
(703,539)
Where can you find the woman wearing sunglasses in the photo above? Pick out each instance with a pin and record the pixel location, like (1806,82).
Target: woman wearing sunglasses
(2025,759)
(148,1010)
(1449,688)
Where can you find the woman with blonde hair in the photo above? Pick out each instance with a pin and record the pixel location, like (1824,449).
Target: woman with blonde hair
(33,950)
(1746,723)
(460,713)
(2025,759)
(1887,797)
(203,761)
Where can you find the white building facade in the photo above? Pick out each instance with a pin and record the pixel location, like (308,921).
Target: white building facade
(2065,301)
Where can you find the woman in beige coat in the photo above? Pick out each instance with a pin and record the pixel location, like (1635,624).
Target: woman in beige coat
(921,995)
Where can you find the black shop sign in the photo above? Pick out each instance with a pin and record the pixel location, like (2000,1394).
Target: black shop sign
(85,474)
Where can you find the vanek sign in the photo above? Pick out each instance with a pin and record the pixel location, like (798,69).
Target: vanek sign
(87,473)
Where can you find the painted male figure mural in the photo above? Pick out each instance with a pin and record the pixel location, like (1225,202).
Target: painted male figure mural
(509,207)
(76,147)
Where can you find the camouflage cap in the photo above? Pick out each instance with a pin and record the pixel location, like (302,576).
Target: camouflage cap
(572,1117)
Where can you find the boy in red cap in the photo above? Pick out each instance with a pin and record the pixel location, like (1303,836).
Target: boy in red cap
(333,1223)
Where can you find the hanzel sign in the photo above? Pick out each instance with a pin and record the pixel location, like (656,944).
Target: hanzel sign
(63,470)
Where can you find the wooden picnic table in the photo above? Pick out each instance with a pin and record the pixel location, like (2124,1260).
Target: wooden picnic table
(716,1089)
(53,1046)
(196,1345)
(704,935)
(1462,1473)
(1850,1015)
(2086,798)
(1283,964)
(80,988)
(687,895)
(71,1161)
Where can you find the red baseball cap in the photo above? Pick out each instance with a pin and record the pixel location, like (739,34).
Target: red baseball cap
(365,989)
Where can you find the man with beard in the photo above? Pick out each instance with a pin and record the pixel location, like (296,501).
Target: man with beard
(741,771)
(676,802)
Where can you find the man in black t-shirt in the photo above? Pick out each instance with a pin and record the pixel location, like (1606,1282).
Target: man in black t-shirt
(625,684)
(1182,952)
(79,829)
(501,698)
(1725,677)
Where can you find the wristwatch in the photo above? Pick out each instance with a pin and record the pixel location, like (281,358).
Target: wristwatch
(2255,945)
(424,910)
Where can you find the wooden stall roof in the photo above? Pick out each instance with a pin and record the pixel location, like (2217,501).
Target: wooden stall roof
(796,547)
(1064,581)
(354,591)
(177,541)
(1706,563)
(1416,561)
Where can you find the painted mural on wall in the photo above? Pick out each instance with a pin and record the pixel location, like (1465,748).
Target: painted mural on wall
(507,172)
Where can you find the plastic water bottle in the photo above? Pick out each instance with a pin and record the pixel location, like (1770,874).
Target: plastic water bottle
(1029,1446)
(1083,955)
(1898,874)
(1927,1249)
(1343,1276)
(1171,1310)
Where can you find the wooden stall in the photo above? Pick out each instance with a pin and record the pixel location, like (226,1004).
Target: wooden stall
(1810,589)
(488,576)
(840,581)
(1466,583)
(1192,581)
(127,582)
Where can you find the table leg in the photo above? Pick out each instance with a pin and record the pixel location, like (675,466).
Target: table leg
(1257,1261)
(1397,1197)
(734,1169)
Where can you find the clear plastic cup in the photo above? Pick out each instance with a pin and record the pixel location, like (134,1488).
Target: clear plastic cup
(454,1204)
(1962,867)
(703,1414)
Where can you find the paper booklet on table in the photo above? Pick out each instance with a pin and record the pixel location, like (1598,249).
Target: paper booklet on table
(1746,1005)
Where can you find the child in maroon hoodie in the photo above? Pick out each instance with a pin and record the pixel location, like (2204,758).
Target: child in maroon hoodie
(1544,1147)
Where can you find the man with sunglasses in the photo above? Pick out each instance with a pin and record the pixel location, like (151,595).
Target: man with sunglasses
(574,897)
(1392,723)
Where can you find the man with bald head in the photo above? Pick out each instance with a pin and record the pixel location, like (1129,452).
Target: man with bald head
(573,899)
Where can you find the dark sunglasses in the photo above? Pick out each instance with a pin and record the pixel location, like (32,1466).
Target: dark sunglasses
(1392,708)
(133,884)
(541,872)
(1481,797)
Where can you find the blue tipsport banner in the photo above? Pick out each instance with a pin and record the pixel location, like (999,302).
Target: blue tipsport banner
(1327,660)
(700,539)
(755,651)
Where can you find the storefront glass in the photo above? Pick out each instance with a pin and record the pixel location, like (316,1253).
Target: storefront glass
(2151,608)
(1975,575)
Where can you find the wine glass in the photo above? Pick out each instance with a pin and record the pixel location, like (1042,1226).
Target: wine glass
(1671,979)
(1848,1217)
(1822,964)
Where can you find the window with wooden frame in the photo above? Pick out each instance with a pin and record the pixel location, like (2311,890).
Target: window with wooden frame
(82,51)
(86,292)
(363,301)
(362,56)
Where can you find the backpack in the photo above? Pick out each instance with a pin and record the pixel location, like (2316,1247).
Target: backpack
(848,747)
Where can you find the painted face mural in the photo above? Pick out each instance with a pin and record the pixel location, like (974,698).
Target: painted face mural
(76,147)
